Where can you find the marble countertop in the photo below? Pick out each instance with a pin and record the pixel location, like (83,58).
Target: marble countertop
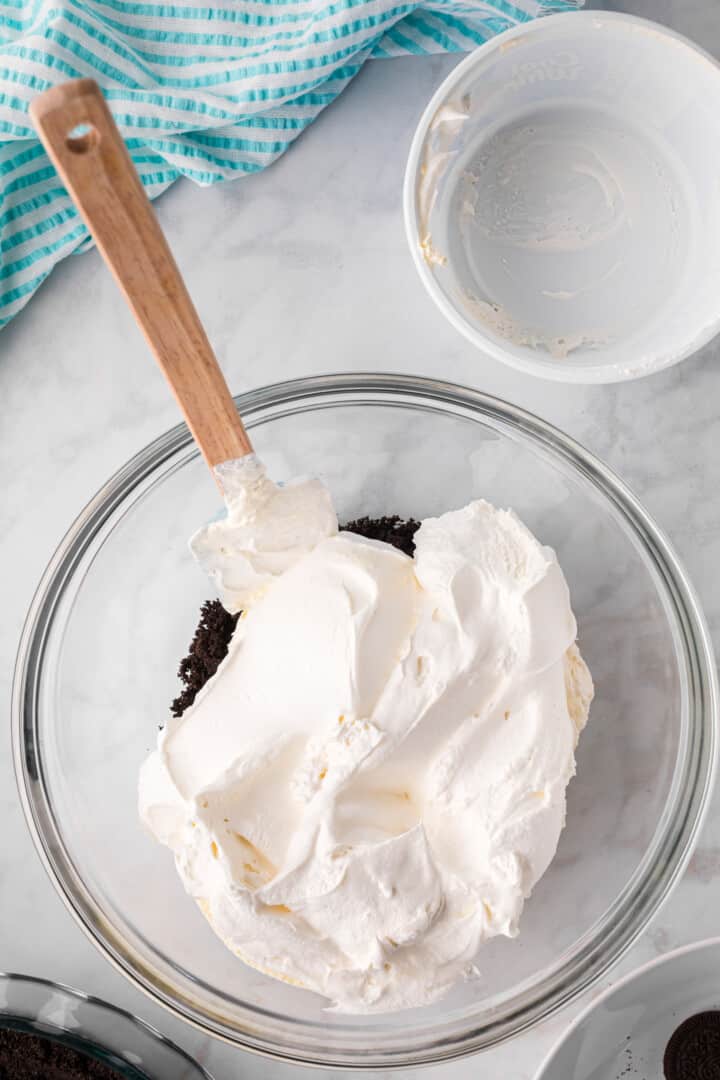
(319,239)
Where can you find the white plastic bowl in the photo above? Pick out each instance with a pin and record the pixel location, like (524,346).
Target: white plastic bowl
(562,200)
(624,1032)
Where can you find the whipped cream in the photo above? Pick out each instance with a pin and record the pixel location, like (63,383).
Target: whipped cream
(266,529)
(374,780)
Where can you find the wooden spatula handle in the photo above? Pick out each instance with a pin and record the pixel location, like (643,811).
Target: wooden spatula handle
(85,146)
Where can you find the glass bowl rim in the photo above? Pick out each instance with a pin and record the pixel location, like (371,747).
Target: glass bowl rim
(603,944)
(70,994)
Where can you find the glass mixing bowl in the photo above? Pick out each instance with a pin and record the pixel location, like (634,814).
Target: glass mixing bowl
(103,1032)
(119,602)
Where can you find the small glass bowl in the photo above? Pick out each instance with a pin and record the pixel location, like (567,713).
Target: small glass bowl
(118,604)
(81,1022)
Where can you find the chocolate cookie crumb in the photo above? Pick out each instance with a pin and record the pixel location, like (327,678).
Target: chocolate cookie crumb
(212,637)
(693,1052)
(400,532)
(208,647)
(27,1056)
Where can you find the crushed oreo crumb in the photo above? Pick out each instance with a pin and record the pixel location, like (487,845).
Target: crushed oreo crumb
(400,532)
(694,1050)
(27,1056)
(212,637)
(208,647)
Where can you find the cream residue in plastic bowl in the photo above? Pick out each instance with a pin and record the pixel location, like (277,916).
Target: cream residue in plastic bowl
(542,232)
(502,324)
(441,146)
(574,201)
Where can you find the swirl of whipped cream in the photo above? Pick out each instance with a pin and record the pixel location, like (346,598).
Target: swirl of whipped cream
(374,780)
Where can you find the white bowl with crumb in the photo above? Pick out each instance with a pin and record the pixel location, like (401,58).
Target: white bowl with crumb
(625,1031)
(562,200)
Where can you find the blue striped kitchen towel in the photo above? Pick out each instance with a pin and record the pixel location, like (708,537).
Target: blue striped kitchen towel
(210,92)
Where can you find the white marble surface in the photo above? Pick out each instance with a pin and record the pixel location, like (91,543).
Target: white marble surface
(301,270)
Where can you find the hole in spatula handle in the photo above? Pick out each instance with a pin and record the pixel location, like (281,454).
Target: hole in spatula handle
(82,139)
